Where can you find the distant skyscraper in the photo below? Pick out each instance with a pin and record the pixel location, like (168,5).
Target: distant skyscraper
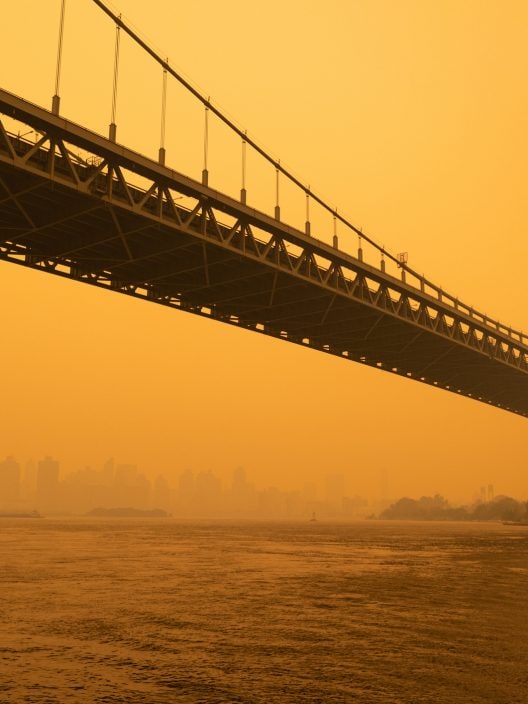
(161,495)
(9,482)
(47,483)
(186,485)
(108,470)
(309,492)
(242,495)
(208,492)
(239,489)
(125,474)
(335,489)
(239,479)
(131,488)
(29,481)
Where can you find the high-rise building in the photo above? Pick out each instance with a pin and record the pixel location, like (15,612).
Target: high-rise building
(131,489)
(9,482)
(47,483)
(161,494)
(28,483)
(186,485)
(239,487)
(335,489)
(208,493)
(108,471)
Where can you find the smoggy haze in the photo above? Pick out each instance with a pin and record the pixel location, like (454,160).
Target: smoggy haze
(411,117)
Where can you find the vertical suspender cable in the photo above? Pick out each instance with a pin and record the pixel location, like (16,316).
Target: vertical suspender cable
(277,206)
(161,157)
(307,223)
(113,127)
(243,192)
(55,103)
(205,172)
(317,199)
(140,42)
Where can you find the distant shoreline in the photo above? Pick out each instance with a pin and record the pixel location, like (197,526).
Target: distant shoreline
(127,512)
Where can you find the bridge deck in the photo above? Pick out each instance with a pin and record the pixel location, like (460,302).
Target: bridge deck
(84,219)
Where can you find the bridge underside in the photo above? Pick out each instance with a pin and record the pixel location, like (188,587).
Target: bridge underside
(86,222)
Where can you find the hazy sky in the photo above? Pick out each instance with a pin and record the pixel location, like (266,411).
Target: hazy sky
(410,116)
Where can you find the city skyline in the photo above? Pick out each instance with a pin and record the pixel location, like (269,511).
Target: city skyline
(200,493)
(41,485)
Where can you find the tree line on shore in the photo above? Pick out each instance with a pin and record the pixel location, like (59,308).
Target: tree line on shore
(437,508)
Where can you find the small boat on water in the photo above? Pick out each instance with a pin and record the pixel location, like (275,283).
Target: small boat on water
(313,518)
(20,514)
(515,523)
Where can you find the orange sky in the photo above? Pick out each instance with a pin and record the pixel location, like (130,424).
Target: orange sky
(409,116)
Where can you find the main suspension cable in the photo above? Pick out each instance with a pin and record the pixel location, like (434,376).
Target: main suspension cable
(280,168)
(241,133)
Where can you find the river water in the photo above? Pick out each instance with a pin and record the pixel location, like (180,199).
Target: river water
(160,611)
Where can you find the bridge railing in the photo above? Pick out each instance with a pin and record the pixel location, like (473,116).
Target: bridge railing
(27,140)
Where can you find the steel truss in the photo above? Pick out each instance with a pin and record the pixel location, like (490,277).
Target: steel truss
(112,218)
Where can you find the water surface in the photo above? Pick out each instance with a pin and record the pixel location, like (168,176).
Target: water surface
(159,611)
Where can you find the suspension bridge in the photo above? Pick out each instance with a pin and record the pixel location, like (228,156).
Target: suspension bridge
(83,206)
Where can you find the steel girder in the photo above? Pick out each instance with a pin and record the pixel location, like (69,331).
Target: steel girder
(85,219)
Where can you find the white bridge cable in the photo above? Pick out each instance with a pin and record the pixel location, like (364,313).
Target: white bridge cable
(276,163)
